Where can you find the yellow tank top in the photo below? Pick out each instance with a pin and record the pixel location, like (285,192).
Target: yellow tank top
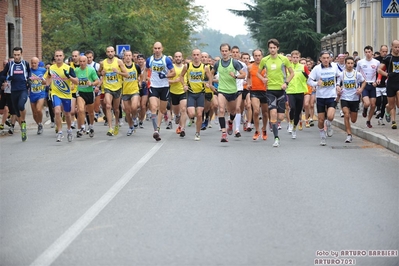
(112,81)
(74,88)
(130,84)
(177,88)
(196,77)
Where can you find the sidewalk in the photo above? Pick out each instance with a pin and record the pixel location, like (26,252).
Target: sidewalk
(382,135)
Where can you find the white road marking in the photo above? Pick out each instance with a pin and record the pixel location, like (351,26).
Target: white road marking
(52,252)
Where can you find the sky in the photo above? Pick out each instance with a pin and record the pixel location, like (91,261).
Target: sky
(218,15)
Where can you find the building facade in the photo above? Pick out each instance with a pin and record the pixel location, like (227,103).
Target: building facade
(364,26)
(20,25)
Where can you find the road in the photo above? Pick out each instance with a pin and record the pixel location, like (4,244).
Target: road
(133,201)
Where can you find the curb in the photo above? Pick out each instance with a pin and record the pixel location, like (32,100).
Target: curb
(376,138)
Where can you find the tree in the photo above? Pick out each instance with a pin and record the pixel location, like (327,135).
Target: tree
(292,23)
(96,24)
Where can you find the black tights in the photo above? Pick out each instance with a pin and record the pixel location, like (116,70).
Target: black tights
(296,106)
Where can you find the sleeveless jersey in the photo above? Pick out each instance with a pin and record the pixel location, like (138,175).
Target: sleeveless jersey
(227,84)
(38,81)
(177,88)
(112,80)
(130,84)
(195,78)
(73,86)
(350,82)
(257,84)
(60,84)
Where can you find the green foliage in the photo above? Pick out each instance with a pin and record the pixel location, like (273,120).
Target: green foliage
(292,23)
(96,24)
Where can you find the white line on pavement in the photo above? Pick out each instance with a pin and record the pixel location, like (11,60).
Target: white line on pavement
(52,253)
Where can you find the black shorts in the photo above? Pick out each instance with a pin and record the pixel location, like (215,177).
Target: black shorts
(244,94)
(324,103)
(352,105)
(392,90)
(161,93)
(261,95)
(208,96)
(176,98)
(276,100)
(230,97)
(195,99)
(6,101)
(88,97)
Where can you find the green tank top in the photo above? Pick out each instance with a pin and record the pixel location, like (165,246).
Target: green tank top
(227,84)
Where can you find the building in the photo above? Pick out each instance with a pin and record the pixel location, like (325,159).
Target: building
(364,26)
(20,25)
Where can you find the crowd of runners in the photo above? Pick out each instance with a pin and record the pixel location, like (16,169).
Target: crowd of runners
(253,92)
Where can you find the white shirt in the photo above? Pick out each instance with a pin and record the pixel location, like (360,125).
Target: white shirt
(328,75)
(350,81)
(240,82)
(368,68)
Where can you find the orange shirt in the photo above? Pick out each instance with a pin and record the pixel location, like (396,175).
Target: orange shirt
(257,84)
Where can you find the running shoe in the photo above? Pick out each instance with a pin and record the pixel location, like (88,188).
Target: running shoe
(73,124)
(116,129)
(276,142)
(197,137)
(1,127)
(23,131)
(69,135)
(8,123)
(39,129)
(141,124)
(52,125)
(177,119)
(364,113)
(135,124)
(394,125)
(204,124)
(80,133)
(279,125)
(289,127)
(329,131)
(110,132)
(381,121)
(130,131)
(348,139)
(11,130)
(178,129)
(59,137)
(300,127)
(341,113)
(190,122)
(264,135)
(256,135)
(323,141)
(156,136)
(182,133)
(170,125)
(307,125)
(293,134)
(249,127)
(237,134)
(311,123)
(368,124)
(224,137)
(91,133)
(244,126)
(387,116)
(230,128)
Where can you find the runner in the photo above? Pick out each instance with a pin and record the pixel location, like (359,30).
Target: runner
(178,96)
(194,86)
(60,76)
(368,68)
(130,90)
(227,68)
(161,69)
(18,72)
(323,77)
(350,94)
(277,66)
(113,70)
(85,95)
(382,99)
(258,95)
(37,92)
(296,91)
(391,64)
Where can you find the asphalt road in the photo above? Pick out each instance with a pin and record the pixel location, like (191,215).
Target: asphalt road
(133,201)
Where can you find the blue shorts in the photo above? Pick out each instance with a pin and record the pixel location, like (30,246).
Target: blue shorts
(35,96)
(65,103)
(369,91)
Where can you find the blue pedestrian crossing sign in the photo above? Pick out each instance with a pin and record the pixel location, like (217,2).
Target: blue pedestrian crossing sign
(121,48)
(390,8)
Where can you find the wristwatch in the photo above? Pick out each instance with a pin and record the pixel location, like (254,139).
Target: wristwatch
(287,83)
